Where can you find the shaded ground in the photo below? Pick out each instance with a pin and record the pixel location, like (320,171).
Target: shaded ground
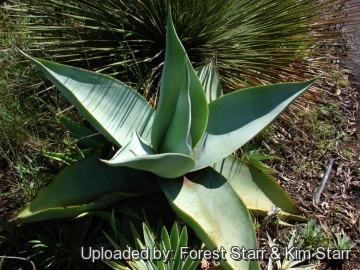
(5,203)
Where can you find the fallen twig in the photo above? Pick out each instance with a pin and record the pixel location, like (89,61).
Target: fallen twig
(323,182)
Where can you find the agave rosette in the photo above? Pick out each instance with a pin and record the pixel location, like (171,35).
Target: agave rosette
(183,148)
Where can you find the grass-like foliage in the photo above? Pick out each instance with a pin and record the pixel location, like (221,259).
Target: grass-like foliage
(257,41)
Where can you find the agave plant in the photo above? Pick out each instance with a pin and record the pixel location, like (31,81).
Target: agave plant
(182,149)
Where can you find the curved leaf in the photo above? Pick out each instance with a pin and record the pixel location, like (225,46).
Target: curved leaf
(112,107)
(208,204)
(138,155)
(83,134)
(237,117)
(87,185)
(172,80)
(168,165)
(178,138)
(209,78)
(257,189)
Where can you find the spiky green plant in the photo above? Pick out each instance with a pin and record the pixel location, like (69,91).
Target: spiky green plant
(289,263)
(171,243)
(256,42)
(182,149)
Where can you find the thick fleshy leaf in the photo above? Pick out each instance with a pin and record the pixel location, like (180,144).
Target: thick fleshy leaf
(170,165)
(209,78)
(112,107)
(87,185)
(208,204)
(172,81)
(178,137)
(237,117)
(138,155)
(199,106)
(258,190)
(83,134)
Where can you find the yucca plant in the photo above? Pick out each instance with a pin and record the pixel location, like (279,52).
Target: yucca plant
(182,149)
(256,42)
